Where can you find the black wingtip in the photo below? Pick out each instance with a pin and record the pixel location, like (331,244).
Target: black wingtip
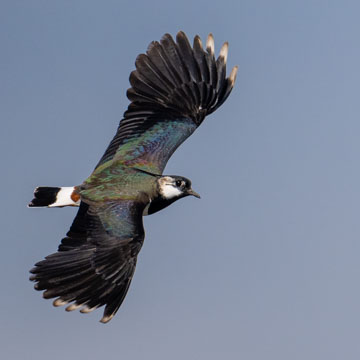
(175,76)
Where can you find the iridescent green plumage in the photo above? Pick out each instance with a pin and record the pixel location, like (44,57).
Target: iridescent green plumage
(118,182)
(151,151)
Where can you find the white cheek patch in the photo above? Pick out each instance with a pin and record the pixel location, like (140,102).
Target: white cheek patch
(169,191)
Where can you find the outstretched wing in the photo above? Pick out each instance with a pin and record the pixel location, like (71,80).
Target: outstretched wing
(173,88)
(95,263)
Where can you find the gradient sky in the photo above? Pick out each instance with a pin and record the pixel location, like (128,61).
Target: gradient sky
(266,264)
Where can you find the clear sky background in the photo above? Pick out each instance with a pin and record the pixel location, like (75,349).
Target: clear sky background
(264,266)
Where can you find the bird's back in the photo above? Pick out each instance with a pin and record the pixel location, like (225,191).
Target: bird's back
(118,182)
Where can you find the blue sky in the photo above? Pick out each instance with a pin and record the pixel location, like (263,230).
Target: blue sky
(266,264)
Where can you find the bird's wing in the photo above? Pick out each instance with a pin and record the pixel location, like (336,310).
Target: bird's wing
(95,263)
(172,89)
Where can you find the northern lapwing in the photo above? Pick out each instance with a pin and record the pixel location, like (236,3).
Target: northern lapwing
(172,89)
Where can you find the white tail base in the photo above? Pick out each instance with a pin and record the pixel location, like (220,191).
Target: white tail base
(63,198)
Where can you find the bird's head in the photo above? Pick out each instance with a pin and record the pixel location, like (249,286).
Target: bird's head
(175,187)
(170,189)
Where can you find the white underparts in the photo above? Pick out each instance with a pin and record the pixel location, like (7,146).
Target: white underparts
(63,198)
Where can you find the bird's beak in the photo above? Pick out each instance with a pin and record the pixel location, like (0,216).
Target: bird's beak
(193,193)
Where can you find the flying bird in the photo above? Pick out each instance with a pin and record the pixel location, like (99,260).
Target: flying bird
(172,89)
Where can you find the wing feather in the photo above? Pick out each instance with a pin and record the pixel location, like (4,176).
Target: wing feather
(173,83)
(97,270)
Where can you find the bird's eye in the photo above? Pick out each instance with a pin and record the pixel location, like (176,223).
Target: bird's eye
(178,183)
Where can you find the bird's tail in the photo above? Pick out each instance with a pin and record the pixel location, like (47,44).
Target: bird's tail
(55,197)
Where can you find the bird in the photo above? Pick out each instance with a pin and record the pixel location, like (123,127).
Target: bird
(173,88)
